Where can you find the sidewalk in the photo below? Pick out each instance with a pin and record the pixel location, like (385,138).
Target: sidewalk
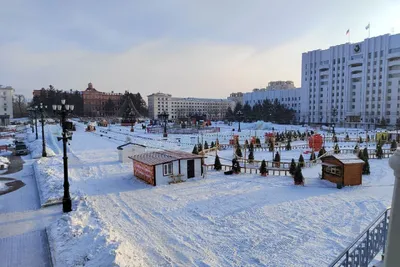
(23,240)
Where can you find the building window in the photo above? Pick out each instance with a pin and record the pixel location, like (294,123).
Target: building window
(167,169)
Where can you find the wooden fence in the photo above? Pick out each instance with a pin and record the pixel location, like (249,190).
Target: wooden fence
(251,170)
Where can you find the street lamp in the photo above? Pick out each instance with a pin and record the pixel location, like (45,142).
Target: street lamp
(34,110)
(41,109)
(240,115)
(164,116)
(63,110)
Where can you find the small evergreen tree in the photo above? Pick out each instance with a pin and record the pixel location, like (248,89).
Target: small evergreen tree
(335,140)
(321,152)
(238,152)
(270,145)
(212,144)
(217,164)
(288,146)
(393,145)
(356,149)
(379,152)
(360,140)
(199,147)
(246,143)
(298,176)
(301,161)
(336,149)
(263,168)
(205,145)
(347,137)
(368,138)
(277,157)
(365,153)
(292,168)
(251,156)
(195,151)
(366,169)
(312,156)
(258,142)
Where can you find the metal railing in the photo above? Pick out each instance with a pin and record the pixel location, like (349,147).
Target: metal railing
(367,245)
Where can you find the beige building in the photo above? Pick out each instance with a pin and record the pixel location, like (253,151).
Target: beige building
(6,104)
(178,107)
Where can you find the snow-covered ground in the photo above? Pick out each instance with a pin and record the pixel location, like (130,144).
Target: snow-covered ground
(3,185)
(216,221)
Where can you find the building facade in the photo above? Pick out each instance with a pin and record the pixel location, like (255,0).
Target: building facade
(353,84)
(94,102)
(6,104)
(285,93)
(237,97)
(180,108)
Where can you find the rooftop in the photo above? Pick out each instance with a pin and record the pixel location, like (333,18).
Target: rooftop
(160,157)
(347,158)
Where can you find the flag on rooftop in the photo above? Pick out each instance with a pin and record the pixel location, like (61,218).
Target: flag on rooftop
(348,31)
(367,27)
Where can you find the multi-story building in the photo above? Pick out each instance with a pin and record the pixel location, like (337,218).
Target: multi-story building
(6,104)
(237,97)
(355,84)
(94,102)
(285,93)
(180,108)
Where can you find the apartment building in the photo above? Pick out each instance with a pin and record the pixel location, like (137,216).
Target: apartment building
(353,84)
(182,108)
(6,104)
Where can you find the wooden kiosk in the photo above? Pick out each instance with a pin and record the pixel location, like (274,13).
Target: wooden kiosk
(342,170)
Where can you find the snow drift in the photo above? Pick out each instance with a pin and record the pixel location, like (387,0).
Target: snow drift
(81,239)
(36,149)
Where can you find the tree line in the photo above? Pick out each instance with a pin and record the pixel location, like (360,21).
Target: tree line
(266,110)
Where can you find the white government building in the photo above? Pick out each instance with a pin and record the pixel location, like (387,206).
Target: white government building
(353,84)
(178,107)
(6,104)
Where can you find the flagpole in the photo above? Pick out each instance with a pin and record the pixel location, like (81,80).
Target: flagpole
(369,29)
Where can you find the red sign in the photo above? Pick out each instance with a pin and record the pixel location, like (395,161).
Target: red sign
(144,172)
(315,142)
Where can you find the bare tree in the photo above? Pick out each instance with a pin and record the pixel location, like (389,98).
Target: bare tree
(19,105)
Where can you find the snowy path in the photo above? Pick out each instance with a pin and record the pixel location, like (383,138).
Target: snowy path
(22,236)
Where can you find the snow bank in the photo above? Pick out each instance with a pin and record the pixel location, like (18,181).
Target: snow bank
(35,148)
(49,173)
(4,161)
(81,239)
(3,185)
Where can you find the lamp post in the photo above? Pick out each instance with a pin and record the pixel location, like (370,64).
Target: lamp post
(41,110)
(63,110)
(164,116)
(240,115)
(34,110)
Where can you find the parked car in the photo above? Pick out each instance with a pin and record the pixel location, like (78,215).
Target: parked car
(21,149)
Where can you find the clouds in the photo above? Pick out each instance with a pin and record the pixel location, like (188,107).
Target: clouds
(187,48)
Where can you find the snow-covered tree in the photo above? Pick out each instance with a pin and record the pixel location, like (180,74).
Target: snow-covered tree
(292,168)
(298,176)
(288,146)
(336,149)
(238,152)
(321,152)
(205,145)
(301,161)
(217,164)
(379,151)
(312,156)
(195,151)
(277,159)
(263,168)
(393,145)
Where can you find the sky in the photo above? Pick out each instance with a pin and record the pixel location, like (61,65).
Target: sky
(197,48)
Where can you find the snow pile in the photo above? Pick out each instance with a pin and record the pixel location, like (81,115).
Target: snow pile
(5,162)
(36,149)
(49,173)
(3,185)
(81,239)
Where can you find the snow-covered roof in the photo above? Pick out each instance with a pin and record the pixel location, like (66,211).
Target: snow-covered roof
(160,157)
(347,158)
(129,144)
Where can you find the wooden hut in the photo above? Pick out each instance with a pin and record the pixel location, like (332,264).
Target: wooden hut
(342,169)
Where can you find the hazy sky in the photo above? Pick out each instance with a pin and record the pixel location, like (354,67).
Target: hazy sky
(198,48)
